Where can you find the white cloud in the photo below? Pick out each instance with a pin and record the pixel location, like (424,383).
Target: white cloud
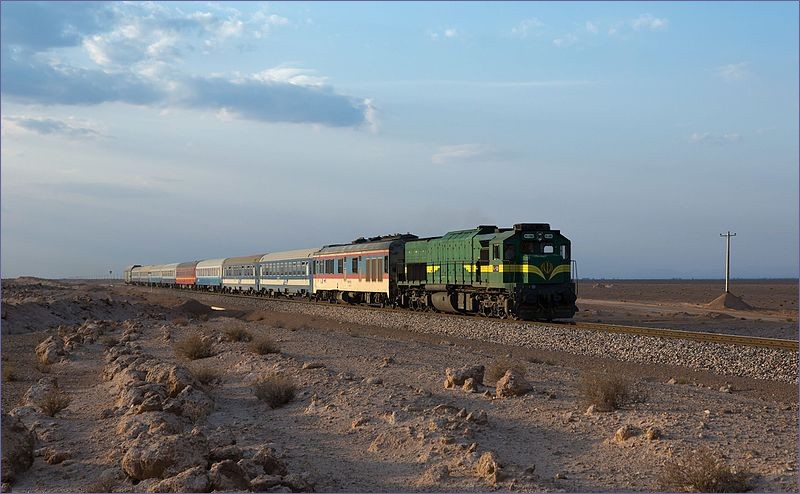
(448,32)
(371,116)
(649,22)
(712,138)
(71,127)
(291,75)
(566,40)
(591,27)
(525,27)
(733,72)
(467,153)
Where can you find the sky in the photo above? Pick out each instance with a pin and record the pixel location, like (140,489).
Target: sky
(165,132)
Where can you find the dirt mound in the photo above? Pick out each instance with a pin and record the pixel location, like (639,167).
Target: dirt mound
(254,315)
(194,308)
(729,301)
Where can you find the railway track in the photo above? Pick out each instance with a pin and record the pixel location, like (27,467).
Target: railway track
(721,338)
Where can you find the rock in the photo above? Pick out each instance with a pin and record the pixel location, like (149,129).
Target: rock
(18,444)
(590,410)
(174,377)
(512,384)
(250,467)
(227,475)
(221,436)
(726,388)
(232,452)
(6,486)
(625,432)
(373,381)
(313,365)
(653,433)
(269,461)
(672,380)
(359,421)
(50,350)
(148,423)
(194,403)
(457,377)
(560,476)
(38,391)
(154,456)
(263,483)
(54,457)
(194,479)
(470,386)
(478,417)
(487,467)
(297,483)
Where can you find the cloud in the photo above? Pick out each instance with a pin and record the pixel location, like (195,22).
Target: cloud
(466,153)
(711,138)
(446,33)
(733,72)
(525,27)
(568,39)
(135,57)
(649,22)
(591,27)
(71,128)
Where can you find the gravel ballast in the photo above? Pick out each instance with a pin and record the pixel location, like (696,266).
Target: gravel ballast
(722,359)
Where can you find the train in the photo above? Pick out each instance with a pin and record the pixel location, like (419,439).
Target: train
(522,272)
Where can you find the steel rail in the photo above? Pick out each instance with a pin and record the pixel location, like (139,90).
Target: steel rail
(720,338)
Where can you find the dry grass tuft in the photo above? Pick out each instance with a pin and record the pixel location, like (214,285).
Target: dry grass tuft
(500,366)
(263,345)
(702,471)
(608,392)
(274,390)
(237,333)
(8,374)
(53,402)
(194,347)
(42,367)
(206,374)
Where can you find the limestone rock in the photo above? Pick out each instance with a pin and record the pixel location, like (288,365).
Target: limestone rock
(263,483)
(154,456)
(227,475)
(231,452)
(625,432)
(269,461)
(38,391)
(18,443)
(470,386)
(487,467)
(456,377)
(194,479)
(512,384)
(653,433)
(50,350)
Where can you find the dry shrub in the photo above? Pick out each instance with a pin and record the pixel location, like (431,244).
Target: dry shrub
(53,402)
(274,390)
(8,374)
(206,374)
(702,471)
(606,392)
(499,367)
(180,321)
(237,333)
(42,367)
(194,347)
(263,345)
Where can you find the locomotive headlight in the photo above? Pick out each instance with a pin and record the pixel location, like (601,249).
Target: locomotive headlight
(539,236)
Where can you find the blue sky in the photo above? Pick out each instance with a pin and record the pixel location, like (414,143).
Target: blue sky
(160,132)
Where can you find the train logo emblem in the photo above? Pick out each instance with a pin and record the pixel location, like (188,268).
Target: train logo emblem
(547,268)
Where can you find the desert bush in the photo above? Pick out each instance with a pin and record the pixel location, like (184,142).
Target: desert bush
(194,347)
(206,374)
(53,402)
(263,345)
(606,392)
(500,366)
(274,390)
(702,471)
(237,333)
(8,373)
(42,367)
(180,321)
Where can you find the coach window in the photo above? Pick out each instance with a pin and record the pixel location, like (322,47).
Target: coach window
(386,264)
(340,265)
(563,249)
(495,251)
(509,253)
(354,265)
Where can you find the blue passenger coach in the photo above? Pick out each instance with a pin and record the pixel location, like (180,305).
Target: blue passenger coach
(286,273)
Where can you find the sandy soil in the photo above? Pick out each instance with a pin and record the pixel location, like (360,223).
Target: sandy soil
(371,412)
(682,304)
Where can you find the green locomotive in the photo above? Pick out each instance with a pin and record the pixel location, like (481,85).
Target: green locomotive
(522,272)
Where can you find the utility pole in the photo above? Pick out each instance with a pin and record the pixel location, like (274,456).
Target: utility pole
(727,257)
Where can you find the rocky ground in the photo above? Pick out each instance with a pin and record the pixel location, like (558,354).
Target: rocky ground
(370,411)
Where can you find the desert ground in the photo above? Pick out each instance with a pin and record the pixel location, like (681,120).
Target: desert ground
(108,388)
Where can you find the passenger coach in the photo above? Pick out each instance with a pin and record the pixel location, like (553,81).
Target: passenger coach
(286,273)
